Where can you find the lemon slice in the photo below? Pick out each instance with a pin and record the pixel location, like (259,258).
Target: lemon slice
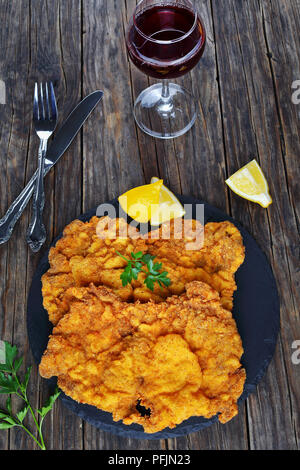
(169,206)
(142,202)
(250,183)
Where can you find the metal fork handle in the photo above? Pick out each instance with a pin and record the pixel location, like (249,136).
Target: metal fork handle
(8,222)
(36,234)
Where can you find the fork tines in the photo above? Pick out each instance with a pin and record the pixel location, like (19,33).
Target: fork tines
(44,105)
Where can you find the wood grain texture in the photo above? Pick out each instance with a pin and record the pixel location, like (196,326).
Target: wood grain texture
(280,20)
(111,157)
(243,89)
(14,143)
(252,130)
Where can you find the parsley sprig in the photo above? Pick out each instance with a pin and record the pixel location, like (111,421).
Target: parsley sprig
(10,384)
(135,266)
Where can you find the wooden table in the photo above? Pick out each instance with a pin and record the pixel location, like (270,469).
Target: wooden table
(244,89)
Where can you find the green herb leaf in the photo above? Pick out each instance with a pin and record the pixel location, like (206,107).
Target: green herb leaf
(135,273)
(8,405)
(147,258)
(27,377)
(49,405)
(21,415)
(6,425)
(137,256)
(10,420)
(149,283)
(8,384)
(10,353)
(127,276)
(135,267)
(18,364)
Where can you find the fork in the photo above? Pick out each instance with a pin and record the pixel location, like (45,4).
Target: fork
(45,120)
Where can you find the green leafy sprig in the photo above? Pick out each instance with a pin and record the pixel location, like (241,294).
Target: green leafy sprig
(10,384)
(135,266)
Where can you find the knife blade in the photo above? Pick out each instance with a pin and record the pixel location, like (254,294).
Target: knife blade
(71,127)
(59,145)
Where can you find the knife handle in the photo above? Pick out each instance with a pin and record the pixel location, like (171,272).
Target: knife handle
(17,208)
(36,233)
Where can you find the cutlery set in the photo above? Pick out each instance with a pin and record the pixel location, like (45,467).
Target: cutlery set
(45,120)
(45,116)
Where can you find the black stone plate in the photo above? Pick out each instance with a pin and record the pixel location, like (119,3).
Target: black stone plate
(256,311)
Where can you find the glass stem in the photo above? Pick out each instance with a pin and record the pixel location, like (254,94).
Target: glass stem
(165,104)
(165,90)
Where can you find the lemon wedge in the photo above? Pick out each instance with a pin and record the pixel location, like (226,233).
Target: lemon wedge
(250,183)
(142,202)
(169,206)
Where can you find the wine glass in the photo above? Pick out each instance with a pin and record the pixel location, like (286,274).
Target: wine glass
(165,39)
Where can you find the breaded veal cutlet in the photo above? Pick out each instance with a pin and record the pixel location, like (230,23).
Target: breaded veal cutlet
(178,358)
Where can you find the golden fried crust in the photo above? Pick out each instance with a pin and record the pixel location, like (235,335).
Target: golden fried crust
(179,358)
(87,254)
(218,255)
(216,247)
(54,288)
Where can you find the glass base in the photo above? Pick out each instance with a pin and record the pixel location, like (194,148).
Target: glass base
(165,114)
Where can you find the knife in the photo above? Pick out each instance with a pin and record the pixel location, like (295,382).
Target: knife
(59,145)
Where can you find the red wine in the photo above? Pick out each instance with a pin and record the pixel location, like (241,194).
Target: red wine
(149,31)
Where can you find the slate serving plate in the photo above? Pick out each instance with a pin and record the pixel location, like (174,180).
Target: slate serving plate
(256,311)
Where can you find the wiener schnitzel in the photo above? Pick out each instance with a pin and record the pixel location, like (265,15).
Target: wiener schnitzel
(214,262)
(83,256)
(178,358)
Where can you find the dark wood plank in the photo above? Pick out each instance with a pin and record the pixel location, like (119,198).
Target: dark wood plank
(112,162)
(95,440)
(229,436)
(270,427)
(111,157)
(57,55)
(252,129)
(40,52)
(200,153)
(281,21)
(150,159)
(15,125)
